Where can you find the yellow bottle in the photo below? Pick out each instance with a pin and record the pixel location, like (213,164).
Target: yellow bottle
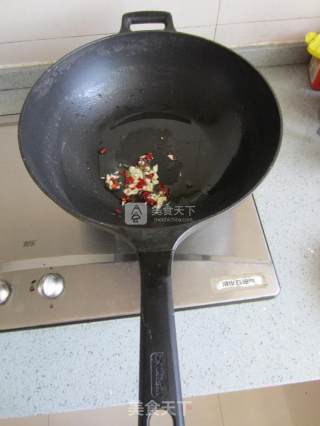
(313,41)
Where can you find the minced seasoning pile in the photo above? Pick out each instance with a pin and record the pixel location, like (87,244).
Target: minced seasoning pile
(139,183)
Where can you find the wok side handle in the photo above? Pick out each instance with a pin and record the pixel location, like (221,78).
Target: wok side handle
(146,17)
(159,366)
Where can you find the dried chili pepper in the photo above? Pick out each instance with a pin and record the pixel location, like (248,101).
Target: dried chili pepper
(103,150)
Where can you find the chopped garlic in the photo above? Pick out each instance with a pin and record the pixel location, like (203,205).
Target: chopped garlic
(140,183)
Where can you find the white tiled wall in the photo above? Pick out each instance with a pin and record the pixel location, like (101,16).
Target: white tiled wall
(43,30)
(245,22)
(65,18)
(247,33)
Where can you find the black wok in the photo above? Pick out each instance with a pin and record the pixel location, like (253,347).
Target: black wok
(162,92)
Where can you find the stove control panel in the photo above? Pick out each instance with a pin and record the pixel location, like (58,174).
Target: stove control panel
(78,293)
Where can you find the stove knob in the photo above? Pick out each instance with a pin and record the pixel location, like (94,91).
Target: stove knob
(51,286)
(5,291)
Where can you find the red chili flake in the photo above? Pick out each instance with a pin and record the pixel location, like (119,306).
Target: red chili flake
(145,195)
(129,180)
(148,156)
(149,175)
(141,183)
(115,183)
(151,201)
(103,150)
(163,188)
(125,199)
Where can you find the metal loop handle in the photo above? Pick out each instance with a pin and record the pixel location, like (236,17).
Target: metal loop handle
(147,17)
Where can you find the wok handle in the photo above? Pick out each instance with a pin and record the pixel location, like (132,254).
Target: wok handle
(159,366)
(146,17)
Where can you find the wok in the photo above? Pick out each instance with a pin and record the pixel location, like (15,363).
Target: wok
(163,92)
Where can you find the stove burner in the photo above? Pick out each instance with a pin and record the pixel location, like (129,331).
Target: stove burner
(55,269)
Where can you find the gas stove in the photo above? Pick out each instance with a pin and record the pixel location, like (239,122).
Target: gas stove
(56,270)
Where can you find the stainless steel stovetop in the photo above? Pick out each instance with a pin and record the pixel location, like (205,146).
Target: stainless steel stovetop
(227,261)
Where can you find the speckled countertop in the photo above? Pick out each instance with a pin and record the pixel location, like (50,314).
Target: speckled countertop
(221,348)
